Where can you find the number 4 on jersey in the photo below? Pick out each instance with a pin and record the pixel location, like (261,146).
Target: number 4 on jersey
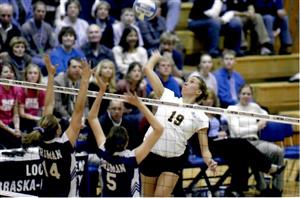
(53,170)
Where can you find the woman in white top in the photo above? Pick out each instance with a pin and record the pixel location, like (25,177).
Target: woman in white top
(71,19)
(129,51)
(162,167)
(248,128)
(204,71)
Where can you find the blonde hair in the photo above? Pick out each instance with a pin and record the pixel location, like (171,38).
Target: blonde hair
(211,94)
(112,81)
(18,40)
(30,66)
(167,37)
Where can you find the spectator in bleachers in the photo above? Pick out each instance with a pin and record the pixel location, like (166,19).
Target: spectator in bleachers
(129,50)
(172,14)
(275,18)
(205,22)
(238,153)
(245,12)
(39,34)
(7,29)
(106,70)
(51,9)
(127,20)
(17,56)
(151,30)
(60,55)
(167,48)
(132,82)
(116,7)
(248,128)
(115,116)
(22,10)
(31,101)
(105,22)
(164,72)
(94,51)
(10,134)
(71,19)
(229,81)
(204,71)
(64,103)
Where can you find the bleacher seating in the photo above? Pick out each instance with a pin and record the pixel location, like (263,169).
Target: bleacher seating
(187,37)
(261,68)
(277,96)
(296,114)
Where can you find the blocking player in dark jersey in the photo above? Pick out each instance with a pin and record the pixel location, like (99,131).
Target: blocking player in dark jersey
(119,166)
(56,148)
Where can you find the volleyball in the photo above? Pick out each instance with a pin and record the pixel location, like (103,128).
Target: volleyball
(145,9)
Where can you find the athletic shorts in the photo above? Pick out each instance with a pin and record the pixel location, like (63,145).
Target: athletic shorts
(153,165)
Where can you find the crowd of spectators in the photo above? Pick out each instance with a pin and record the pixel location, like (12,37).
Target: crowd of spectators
(117,46)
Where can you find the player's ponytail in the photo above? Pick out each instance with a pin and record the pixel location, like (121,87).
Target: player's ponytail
(49,126)
(32,138)
(117,140)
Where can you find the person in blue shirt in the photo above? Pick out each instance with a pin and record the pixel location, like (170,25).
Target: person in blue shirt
(229,81)
(275,17)
(119,166)
(60,55)
(164,72)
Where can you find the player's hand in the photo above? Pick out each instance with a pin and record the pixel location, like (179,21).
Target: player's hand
(102,85)
(155,56)
(212,165)
(51,69)
(131,98)
(86,71)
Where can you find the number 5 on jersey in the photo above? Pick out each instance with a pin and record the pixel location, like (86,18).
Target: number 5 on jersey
(111,183)
(178,118)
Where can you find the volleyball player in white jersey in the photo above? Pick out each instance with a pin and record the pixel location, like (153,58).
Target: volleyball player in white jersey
(162,167)
(119,166)
(56,148)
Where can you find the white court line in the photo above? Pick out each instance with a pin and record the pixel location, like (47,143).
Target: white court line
(155,102)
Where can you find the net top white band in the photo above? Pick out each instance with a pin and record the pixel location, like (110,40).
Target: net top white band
(155,102)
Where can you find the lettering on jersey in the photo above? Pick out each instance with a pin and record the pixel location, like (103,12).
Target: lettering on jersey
(80,169)
(7,104)
(31,103)
(113,168)
(53,155)
(25,185)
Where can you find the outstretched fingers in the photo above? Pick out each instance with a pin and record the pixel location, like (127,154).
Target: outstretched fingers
(51,69)
(102,85)
(86,71)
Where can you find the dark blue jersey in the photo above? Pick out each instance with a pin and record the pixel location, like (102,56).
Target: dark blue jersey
(120,174)
(58,159)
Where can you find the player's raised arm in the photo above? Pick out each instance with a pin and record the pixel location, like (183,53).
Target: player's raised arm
(154,80)
(75,124)
(93,114)
(49,98)
(143,150)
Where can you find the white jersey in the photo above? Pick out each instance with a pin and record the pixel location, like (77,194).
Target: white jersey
(180,124)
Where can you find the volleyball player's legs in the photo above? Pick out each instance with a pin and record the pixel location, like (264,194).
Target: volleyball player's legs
(148,185)
(165,184)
